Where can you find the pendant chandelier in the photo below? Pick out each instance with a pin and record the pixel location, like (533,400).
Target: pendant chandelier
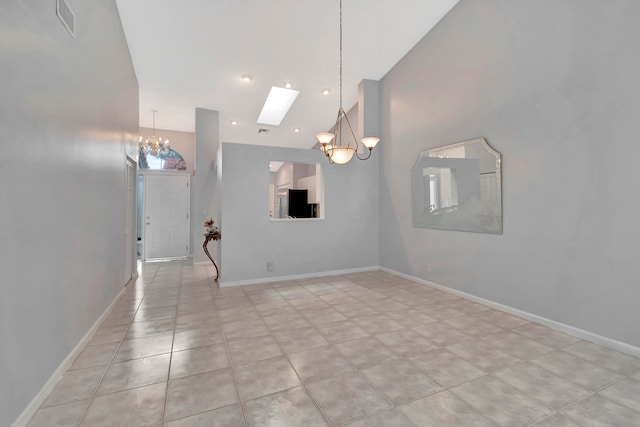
(333,147)
(154,145)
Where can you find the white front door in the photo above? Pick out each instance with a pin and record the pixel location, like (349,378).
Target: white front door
(166,216)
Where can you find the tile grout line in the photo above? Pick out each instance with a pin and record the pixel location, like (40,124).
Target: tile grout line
(393,405)
(574,403)
(172,351)
(362,298)
(285,355)
(173,340)
(231,368)
(305,384)
(108,365)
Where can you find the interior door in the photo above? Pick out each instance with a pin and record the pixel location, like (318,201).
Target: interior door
(166,216)
(129,215)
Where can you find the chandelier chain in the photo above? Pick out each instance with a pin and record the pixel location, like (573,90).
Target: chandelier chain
(341,54)
(331,141)
(154,121)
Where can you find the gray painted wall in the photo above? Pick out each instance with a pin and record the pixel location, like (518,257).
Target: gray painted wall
(69,115)
(205,182)
(553,86)
(347,237)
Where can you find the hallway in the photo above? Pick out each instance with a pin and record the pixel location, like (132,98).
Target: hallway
(361,349)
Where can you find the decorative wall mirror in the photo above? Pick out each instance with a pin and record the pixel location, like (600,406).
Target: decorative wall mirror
(296,191)
(458,187)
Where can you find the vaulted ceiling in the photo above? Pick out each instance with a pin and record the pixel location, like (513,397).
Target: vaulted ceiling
(192,53)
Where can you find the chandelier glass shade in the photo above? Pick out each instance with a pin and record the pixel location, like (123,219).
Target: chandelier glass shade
(332,144)
(154,145)
(340,155)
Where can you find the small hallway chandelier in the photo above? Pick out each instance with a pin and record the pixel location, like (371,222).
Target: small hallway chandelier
(337,151)
(154,145)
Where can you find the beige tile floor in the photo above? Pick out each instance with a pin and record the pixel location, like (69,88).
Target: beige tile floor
(364,349)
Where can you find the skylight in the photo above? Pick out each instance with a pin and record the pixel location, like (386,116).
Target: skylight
(275,166)
(277,105)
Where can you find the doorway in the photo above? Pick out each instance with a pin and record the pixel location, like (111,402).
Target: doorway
(166,224)
(130,218)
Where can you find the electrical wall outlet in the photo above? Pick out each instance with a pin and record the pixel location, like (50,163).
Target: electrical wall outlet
(269,266)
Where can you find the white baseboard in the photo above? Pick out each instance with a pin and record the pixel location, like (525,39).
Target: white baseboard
(39,398)
(202,263)
(175,258)
(297,276)
(561,327)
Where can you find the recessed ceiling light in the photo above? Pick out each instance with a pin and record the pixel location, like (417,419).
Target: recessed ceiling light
(326,91)
(277,105)
(288,85)
(296,130)
(246,78)
(234,122)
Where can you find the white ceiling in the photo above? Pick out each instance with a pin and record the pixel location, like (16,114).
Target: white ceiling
(191,53)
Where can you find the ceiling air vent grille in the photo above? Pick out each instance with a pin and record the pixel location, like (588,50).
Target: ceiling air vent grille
(66,16)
